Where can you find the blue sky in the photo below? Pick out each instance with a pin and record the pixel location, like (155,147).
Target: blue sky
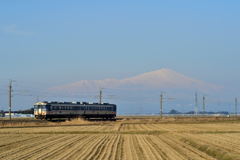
(49,43)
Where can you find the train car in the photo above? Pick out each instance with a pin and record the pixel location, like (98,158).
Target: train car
(50,110)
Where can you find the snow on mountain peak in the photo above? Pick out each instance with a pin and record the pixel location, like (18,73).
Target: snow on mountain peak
(158,79)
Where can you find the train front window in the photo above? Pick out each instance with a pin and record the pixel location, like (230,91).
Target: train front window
(35,107)
(42,107)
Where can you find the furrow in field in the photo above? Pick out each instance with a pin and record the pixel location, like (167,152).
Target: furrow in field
(138,148)
(160,127)
(158,146)
(119,149)
(96,153)
(123,127)
(148,151)
(214,141)
(107,150)
(8,136)
(128,149)
(152,126)
(216,152)
(44,151)
(148,127)
(38,149)
(113,148)
(95,149)
(139,127)
(153,150)
(25,147)
(127,127)
(185,150)
(74,151)
(233,137)
(88,149)
(177,150)
(229,144)
(15,142)
(57,149)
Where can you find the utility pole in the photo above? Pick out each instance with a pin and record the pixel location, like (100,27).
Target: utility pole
(236,106)
(161,105)
(204,105)
(100,96)
(10,98)
(196,103)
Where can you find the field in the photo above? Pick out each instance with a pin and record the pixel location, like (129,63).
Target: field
(129,138)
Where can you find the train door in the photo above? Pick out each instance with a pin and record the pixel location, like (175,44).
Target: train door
(39,110)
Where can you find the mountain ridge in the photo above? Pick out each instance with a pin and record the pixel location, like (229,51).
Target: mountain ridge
(158,79)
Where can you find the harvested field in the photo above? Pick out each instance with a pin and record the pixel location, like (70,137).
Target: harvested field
(127,139)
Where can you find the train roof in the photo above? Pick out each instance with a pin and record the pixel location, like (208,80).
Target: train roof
(73,103)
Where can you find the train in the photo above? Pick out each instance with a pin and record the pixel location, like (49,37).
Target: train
(51,110)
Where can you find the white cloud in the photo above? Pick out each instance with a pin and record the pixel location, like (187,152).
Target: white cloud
(13,29)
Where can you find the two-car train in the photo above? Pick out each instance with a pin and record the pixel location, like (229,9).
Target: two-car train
(50,110)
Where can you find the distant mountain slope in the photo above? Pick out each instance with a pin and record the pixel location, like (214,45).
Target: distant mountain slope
(159,79)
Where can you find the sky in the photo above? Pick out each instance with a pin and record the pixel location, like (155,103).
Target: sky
(49,43)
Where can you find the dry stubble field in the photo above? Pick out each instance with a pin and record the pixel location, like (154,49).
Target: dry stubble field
(129,138)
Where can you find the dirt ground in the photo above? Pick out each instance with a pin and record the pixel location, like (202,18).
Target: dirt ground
(128,138)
